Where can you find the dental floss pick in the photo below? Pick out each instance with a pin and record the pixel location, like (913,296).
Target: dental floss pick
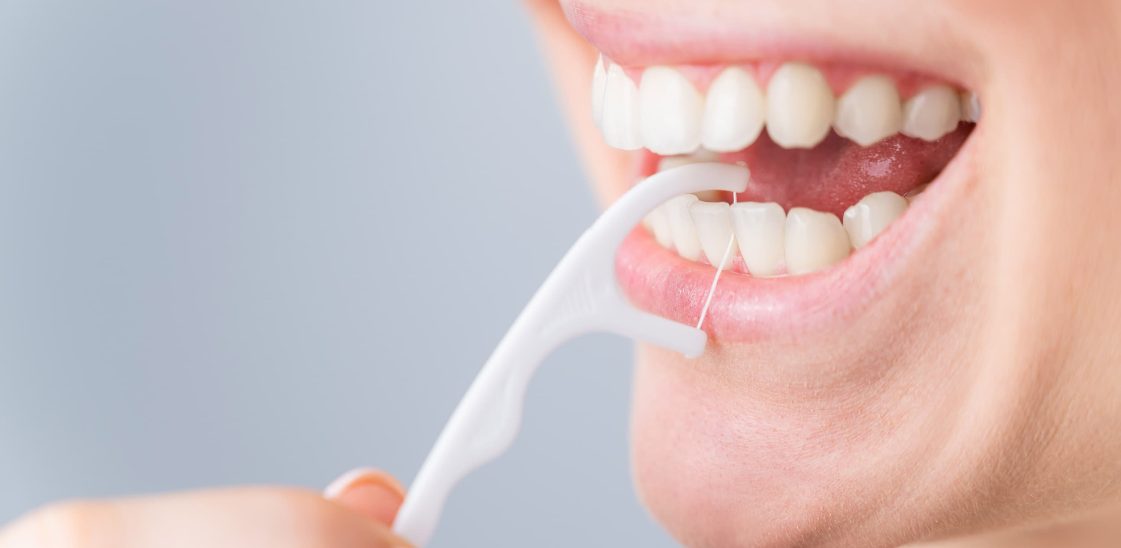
(580,295)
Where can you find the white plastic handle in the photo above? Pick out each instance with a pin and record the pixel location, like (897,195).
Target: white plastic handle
(581,295)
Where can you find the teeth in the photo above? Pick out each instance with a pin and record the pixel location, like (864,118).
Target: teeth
(799,106)
(714,227)
(657,222)
(869,111)
(871,215)
(682,228)
(760,229)
(599,84)
(932,113)
(771,242)
(666,114)
(735,111)
(814,241)
(670,110)
(620,111)
(970,107)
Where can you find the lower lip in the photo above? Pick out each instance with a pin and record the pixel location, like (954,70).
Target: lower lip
(746,309)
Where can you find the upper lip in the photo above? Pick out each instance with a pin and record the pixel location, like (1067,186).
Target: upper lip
(809,30)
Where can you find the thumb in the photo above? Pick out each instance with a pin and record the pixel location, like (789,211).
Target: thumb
(371,493)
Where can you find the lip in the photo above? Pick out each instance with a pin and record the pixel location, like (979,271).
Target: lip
(748,309)
(885,38)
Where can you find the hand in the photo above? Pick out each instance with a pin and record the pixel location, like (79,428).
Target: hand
(356,511)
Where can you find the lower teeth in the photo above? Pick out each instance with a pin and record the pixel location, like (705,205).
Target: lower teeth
(768,240)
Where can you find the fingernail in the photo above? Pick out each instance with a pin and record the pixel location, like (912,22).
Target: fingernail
(370,492)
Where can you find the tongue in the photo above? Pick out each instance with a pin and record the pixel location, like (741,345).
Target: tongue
(837,173)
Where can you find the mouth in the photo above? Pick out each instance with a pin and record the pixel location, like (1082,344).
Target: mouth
(853,166)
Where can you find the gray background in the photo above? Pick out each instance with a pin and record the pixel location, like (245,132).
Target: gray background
(266,242)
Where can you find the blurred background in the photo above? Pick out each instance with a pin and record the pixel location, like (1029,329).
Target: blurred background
(269,241)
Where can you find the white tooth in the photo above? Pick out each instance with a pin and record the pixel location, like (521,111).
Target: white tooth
(657,222)
(714,227)
(932,113)
(970,107)
(735,110)
(620,111)
(799,106)
(670,110)
(814,240)
(869,111)
(759,230)
(682,227)
(599,85)
(871,215)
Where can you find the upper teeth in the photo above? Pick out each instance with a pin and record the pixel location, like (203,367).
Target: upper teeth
(666,113)
(931,113)
(869,111)
(799,106)
(619,121)
(734,111)
(673,110)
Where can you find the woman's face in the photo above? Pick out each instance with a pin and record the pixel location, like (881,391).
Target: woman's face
(960,371)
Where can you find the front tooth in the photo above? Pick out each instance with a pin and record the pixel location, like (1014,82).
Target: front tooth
(869,111)
(670,111)
(814,240)
(682,228)
(734,111)
(714,227)
(760,229)
(657,221)
(932,113)
(970,107)
(871,215)
(599,84)
(799,106)
(620,111)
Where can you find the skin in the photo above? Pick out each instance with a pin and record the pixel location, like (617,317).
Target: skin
(975,402)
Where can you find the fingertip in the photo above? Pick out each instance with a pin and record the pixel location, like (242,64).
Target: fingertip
(369,492)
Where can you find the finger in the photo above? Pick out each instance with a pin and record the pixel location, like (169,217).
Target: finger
(274,517)
(371,493)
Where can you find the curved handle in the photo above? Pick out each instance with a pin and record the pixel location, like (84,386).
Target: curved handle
(580,295)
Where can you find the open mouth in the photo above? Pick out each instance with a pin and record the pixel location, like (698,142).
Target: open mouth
(839,156)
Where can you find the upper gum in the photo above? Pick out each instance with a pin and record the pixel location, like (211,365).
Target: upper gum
(839,76)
